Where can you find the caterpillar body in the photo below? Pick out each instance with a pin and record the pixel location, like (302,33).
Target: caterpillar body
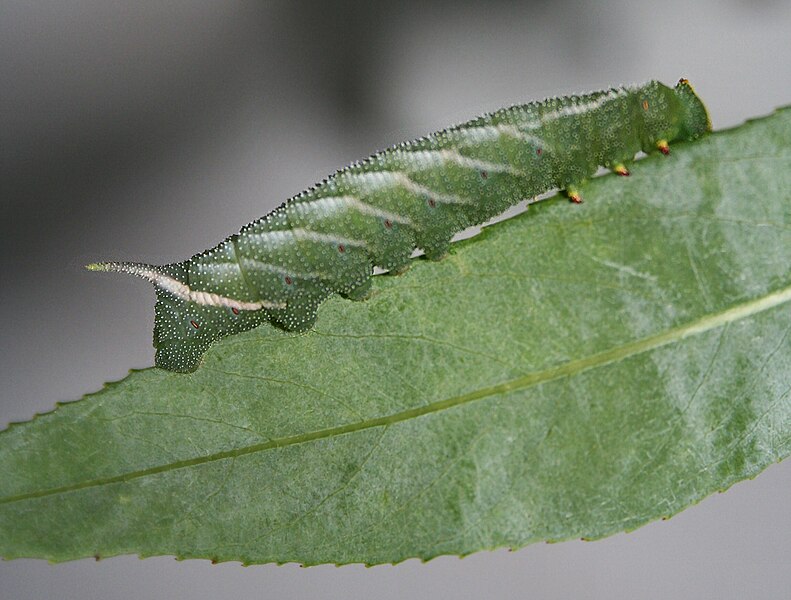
(416,194)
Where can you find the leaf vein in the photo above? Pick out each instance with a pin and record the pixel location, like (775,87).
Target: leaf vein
(706,323)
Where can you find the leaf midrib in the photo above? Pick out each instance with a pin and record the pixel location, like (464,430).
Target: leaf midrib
(706,323)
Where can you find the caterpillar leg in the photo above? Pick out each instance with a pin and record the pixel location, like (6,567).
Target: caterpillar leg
(663,147)
(573,194)
(620,169)
(360,292)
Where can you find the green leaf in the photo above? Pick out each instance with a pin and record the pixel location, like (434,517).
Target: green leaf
(572,372)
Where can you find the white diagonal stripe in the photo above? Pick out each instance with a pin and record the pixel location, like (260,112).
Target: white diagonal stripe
(578,109)
(254,264)
(331,204)
(490,133)
(182,290)
(398,178)
(287,236)
(422,158)
(417,188)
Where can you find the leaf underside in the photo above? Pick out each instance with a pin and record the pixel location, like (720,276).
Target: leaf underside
(575,371)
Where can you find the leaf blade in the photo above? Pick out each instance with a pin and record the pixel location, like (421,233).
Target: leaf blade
(545,370)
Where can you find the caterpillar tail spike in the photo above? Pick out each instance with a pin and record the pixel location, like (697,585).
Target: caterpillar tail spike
(418,194)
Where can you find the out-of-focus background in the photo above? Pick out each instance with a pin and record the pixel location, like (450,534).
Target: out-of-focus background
(150,130)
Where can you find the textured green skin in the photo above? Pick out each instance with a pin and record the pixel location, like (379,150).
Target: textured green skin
(491,163)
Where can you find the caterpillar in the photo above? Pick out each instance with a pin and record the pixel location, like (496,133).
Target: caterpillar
(417,194)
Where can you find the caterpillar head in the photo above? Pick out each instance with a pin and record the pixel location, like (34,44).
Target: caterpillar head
(694,118)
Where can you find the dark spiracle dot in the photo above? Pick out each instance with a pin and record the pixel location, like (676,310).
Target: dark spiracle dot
(194,324)
(432,203)
(484,175)
(288,280)
(388,223)
(341,248)
(235,311)
(539,151)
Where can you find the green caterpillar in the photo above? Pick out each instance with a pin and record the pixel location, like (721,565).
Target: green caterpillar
(417,194)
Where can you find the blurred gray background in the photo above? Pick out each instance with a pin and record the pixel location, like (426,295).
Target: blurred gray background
(150,130)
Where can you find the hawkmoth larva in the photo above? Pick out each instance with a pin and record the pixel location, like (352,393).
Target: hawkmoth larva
(417,194)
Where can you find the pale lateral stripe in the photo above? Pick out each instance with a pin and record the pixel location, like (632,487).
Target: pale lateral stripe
(327,238)
(515,132)
(374,179)
(478,165)
(255,264)
(277,237)
(182,290)
(331,204)
(287,236)
(398,178)
(417,188)
(258,265)
(491,133)
(473,135)
(440,157)
(577,109)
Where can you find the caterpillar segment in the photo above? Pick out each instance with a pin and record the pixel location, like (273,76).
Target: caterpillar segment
(418,194)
